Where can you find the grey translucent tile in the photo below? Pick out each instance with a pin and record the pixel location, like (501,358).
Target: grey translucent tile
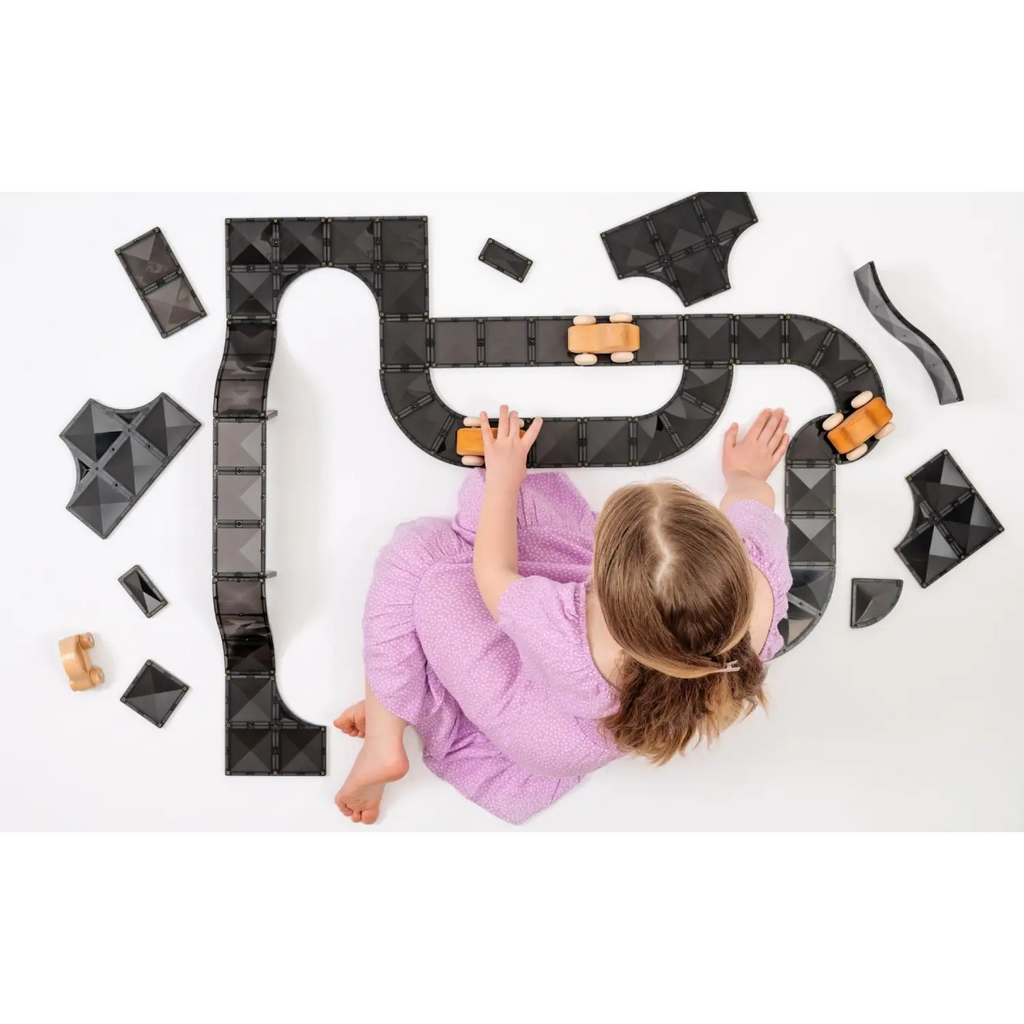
(806,336)
(239,550)
(557,444)
(404,291)
(607,442)
(708,384)
(239,598)
(936,365)
(809,444)
(655,442)
(351,239)
(679,226)
(506,341)
(250,751)
(455,342)
(404,342)
(865,380)
(239,443)
(250,242)
(928,554)
(142,590)
(118,456)
(249,351)
(630,247)
(251,293)
(842,356)
(301,241)
(872,599)
(174,305)
(247,656)
(403,240)
(689,422)
(807,600)
(726,211)
(148,259)
(939,482)
(404,388)
(971,524)
(812,540)
(154,693)
(709,339)
(660,339)
(759,339)
(235,397)
(238,497)
(302,750)
(505,260)
(250,699)
(810,488)
(552,340)
(699,275)
(425,423)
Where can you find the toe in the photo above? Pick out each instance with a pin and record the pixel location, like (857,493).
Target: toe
(370,815)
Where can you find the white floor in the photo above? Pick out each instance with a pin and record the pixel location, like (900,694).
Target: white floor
(915,723)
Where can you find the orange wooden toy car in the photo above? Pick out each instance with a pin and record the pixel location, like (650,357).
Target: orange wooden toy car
(619,338)
(469,441)
(849,434)
(74,656)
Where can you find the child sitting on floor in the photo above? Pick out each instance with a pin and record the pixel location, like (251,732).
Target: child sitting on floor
(530,642)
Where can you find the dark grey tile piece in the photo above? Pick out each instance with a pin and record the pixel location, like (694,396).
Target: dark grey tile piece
(872,599)
(154,693)
(143,591)
(509,262)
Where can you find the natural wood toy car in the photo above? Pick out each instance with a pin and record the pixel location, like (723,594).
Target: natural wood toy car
(619,338)
(469,441)
(849,434)
(74,656)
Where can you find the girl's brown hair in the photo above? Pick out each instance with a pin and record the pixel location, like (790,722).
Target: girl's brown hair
(676,591)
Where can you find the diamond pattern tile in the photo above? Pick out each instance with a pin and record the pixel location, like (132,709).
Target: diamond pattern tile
(810,488)
(557,444)
(507,341)
(239,443)
(405,342)
(654,441)
(659,340)
(607,442)
(405,388)
(250,242)
(301,242)
(250,699)
(759,339)
(708,339)
(250,751)
(143,591)
(154,693)
(812,540)
(940,482)
(403,241)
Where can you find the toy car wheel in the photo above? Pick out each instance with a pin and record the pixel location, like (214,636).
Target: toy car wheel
(862,399)
(620,318)
(96,676)
(86,640)
(833,421)
(857,453)
(472,460)
(471,421)
(583,320)
(885,431)
(622,357)
(585,359)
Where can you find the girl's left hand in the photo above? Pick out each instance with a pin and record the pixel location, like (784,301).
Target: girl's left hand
(505,454)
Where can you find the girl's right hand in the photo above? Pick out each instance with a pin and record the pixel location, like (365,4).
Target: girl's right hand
(761,449)
(505,453)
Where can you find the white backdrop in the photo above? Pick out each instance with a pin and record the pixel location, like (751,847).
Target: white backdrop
(915,723)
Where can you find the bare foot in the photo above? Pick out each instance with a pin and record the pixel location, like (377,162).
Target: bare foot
(352,721)
(378,763)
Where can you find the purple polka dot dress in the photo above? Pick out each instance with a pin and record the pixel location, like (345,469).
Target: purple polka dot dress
(509,711)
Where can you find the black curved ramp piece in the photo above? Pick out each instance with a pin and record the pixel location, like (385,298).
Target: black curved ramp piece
(929,355)
(872,599)
(951,520)
(685,245)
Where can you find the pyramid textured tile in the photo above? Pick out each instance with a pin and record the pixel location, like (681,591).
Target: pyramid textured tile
(154,693)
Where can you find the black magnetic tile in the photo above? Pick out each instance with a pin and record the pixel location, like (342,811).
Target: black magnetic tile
(148,259)
(557,444)
(154,693)
(810,488)
(659,339)
(809,444)
(709,339)
(936,365)
(971,524)
(251,294)
(403,241)
(404,291)
(505,260)
(726,211)
(940,482)
(708,384)
(238,497)
(842,356)
(351,240)
(807,601)
(167,426)
(250,242)
(244,628)
(812,540)
(303,750)
(928,555)
(447,448)
(240,396)
(239,597)
(506,341)
(630,247)
(699,275)
(245,656)
(405,342)
(119,453)
(239,549)
(249,352)
(654,441)
(679,226)
(250,751)
(143,591)
(806,336)
(250,699)
(239,443)
(871,600)
(552,341)
(301,241)
(455,342)
(423,425)
(759,339)
(607,442)
(174,305)
(404,388)
(866,380)
(689,422)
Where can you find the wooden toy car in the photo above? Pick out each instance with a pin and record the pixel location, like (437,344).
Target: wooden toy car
(619,338)
(74,656)
(469,441)
(849,434)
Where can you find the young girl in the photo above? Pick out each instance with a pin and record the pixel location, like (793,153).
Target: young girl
(530,642)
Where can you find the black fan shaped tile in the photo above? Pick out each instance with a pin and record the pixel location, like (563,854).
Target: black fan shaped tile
(871,600)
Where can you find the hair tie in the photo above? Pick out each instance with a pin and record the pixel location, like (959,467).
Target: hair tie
(732,666)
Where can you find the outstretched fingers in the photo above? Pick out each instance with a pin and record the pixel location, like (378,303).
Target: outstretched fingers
(531,435)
